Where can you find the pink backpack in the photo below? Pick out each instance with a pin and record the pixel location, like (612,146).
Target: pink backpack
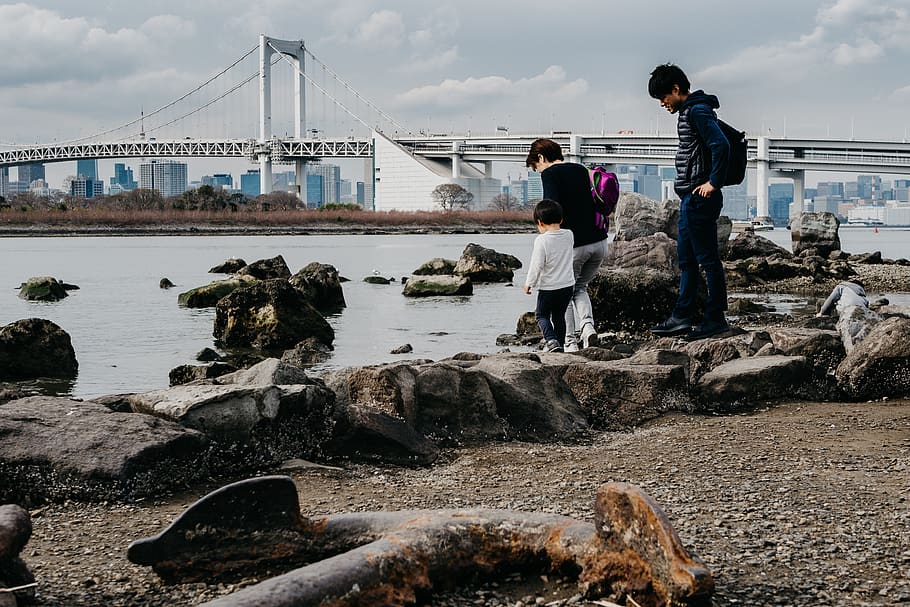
(605,192)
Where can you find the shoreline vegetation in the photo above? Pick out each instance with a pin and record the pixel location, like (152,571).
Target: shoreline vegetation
(176,222)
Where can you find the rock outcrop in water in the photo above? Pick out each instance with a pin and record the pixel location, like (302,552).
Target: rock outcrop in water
(34,348)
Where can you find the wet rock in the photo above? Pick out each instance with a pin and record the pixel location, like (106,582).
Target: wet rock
(741,306)
(363,433)
(208,295)
(436,285)
(815,231)
(754,379)
(308,352)
(747,245)
(655,251)
(33,348)
(42,288)
(436,266)
(377,280)
(208,355)
(879,365)
(486,265)
(266,269)
(165,283)
(822,349)
(119,403)
(229,266)
(867,258)
(268,372)
(185,374)
(527,325)
(619,394)
(57,448)
(320,284)
(270,315)
(633,300)
(403,349)
(637,216)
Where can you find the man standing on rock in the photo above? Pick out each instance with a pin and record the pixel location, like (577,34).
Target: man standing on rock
(701,167)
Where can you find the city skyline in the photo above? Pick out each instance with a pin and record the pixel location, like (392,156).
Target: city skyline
(778,68)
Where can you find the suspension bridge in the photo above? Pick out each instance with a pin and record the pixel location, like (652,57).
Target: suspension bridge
(215,120)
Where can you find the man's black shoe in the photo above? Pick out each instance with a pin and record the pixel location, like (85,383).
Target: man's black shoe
(707,329)
(672,326)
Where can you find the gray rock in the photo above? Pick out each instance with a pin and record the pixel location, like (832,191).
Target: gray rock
(229,266)
(308,352)
(42,288)
(486,265)
(185,374)
(436,285)
(269,372)
(436,266)
(208,295)
(363,433)
(165,283)
(637,216)
(633,300)
(527,325)
(320,284)
(403,349)
(754,379)
(655,251)
(15,531)
(270,315)
(662,357)
(815,231)
(879,365)
(208,355)
(707,354)
(377,280)
(266,269)
(33,348)
(618,394)
(57,448)
(749,244)
(822,349)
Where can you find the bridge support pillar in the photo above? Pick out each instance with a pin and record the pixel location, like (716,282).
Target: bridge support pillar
(456,159)
(300,179)
(799,192)
(574,148)
(762,164)
(488,169)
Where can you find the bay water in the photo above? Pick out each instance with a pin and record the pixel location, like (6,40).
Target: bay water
(128,333)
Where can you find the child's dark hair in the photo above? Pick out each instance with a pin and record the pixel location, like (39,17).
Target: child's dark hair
(664,77)
(548,212)
(547,148)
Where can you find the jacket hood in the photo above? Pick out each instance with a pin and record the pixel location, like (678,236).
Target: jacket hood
(700,97)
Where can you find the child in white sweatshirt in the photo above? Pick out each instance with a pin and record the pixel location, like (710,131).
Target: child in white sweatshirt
(551,273)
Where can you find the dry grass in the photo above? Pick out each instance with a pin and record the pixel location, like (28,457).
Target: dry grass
(133,218)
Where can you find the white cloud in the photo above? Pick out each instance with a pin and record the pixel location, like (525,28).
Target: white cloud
(902,94)
(551,83)
(168,26)
(866,51)
(382,29)
(431,63)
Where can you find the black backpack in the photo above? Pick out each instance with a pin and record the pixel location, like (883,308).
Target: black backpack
(736,169)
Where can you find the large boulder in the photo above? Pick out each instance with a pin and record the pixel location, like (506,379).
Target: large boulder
(637,216)
(749,244)
(486,265)
(57,448)
(753,380)
(42,288)
(655,251)
(269,315)
(879,365)
(266,269)
(229,266)
(815,231)
(320,284)
(15,531)
(633,300)
(619,393)
(208,295)
(35,347)
(822,349)
(363,433)
(434,285)
(436,266)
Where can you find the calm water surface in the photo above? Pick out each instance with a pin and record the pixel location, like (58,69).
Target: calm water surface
(128,333)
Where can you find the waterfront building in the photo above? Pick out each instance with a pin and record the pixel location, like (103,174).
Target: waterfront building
(87,168)
(360,197)
(286,181)
(4,181)
(219,181)
(85,187)
(314,191)
(331,181)
(780,196)
(166,176)
(123,179)
(249,183)
(535,187)
(38,187)
(736,201)
(519,189)
(30,172)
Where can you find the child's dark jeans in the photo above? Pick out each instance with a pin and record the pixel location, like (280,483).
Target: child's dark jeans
(551,313)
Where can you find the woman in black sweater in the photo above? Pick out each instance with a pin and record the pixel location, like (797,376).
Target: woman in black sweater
(569,184)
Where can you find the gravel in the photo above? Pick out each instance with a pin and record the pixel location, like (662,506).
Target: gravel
(797,504)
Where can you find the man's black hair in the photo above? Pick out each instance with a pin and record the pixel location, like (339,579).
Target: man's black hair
(548,212)
(664,77)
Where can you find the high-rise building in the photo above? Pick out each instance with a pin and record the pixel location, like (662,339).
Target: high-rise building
(285,181)
(4,181)
(360,197)
(519,189)
(122,179)
(223,181)
(780,195)
(166,176)
(84,187)
(736,201)
(87,168)
(331,181)
(315,188)
(250,184)
(30,172)
(535,186)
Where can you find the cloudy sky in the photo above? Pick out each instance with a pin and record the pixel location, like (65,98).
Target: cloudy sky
(806,68)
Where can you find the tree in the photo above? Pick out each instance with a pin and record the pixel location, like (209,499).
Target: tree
(505,202)
(451,196)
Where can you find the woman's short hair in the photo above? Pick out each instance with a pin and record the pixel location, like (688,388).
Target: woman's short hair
(548,212)
(547,148)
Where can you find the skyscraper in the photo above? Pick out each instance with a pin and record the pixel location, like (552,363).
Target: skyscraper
(30,172)
(87,169)
(166,176)
(250,184)
(331,181)
(4,181)
(123,178)
(535,186)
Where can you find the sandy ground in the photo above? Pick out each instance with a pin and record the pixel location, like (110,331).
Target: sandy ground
(795,504)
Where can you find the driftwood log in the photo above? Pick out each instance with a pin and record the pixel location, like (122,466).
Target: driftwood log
(397,558)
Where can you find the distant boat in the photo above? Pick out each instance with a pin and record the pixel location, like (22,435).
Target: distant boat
(755,225)
(865,223)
